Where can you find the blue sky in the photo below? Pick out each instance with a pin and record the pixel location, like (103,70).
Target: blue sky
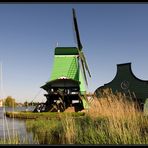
(111,34)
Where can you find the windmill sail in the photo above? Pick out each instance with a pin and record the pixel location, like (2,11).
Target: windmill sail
(79,46)
(76,30)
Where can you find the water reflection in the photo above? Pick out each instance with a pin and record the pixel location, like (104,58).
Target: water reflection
(11,126)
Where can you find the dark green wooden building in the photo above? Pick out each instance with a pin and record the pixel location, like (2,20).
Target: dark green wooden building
(126,82)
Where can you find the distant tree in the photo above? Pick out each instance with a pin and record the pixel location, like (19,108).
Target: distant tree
(9,101)
(34,103)
(26,103)
(29,103)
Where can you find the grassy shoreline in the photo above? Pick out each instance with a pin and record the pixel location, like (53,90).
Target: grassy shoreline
(112,119)
(46,115)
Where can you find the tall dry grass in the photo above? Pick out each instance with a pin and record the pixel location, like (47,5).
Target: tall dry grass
(111,119)
(126,122)
(114,106)
(69,129)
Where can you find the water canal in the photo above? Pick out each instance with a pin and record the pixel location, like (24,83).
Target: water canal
(13,126)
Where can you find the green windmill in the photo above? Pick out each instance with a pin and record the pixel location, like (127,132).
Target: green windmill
(68,81)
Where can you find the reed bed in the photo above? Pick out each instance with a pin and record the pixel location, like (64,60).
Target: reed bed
(111,119)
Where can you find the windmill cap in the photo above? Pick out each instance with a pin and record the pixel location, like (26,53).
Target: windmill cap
(66,51)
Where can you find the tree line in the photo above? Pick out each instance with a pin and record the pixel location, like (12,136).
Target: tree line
(11,102)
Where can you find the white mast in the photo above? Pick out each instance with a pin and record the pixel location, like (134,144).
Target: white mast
(2,97)
(5,123)
(1,83)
